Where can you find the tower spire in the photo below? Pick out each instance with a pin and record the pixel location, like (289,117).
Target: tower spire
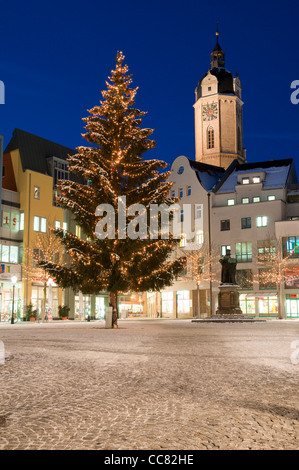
(217,55)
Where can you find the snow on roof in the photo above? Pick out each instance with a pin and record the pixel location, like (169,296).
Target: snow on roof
(276,177)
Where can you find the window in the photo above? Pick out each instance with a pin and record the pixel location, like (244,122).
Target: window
(245,200)
(181,192)
(224,249)
(22,221)
(183,302)
(182,215)
(188,190)
(10,220)
(245,180)
(198,211)
(9,254)
(244,252)
(256,179)
(256,199)
(292,278)
(266,279)
(183,240)
(64,226)
(57,224)
(239,138)
(209,88)
(60,170)
(173,193)
(36,223)
(224,225)
(199,238)
(292,246)
(181,170)
(244,278)
(266,248)
(39,224)
(78,231)
(36,192)
(262,221)
(230,202)
(167,302)
(246,222)
(210,138)
(271,198)
(43,225)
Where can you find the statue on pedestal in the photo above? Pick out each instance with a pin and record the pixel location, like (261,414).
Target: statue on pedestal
(229,267)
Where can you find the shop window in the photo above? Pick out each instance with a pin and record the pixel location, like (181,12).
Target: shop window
(167,302)
(268,306)
(183,301)
(247,305)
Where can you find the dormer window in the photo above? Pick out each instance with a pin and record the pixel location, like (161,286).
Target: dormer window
(256,179)
(245,180)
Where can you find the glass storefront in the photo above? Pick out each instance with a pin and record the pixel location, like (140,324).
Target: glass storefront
(82,307)
(247,305)
(100,308)
(167,303)
(37,299)
(7,303)
(292,306)
(268,306)
(183,301)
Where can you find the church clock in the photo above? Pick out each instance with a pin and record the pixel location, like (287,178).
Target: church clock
(209,112)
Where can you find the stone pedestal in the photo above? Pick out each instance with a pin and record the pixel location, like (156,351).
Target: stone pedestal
(228,300)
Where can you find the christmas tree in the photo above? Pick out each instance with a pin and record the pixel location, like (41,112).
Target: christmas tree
(112,167)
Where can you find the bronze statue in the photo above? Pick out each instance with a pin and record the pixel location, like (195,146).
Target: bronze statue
(229,267)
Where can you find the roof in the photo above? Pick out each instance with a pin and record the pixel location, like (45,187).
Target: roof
(277,174)
(35,150)
(208,175)
(217,48)
(225,81)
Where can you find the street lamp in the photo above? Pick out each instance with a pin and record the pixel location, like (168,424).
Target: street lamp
(14,280)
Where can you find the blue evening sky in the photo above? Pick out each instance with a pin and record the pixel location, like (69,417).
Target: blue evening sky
(55,58)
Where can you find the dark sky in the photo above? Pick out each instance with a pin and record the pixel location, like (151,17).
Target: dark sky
(55,58)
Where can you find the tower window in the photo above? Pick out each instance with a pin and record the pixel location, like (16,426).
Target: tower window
(210,138)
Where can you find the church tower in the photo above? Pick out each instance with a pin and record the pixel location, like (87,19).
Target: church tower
(218,114)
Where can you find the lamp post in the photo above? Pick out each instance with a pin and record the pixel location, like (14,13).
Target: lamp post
(14,280)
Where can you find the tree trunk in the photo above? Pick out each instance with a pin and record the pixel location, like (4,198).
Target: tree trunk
(279,304)
(44,302)
(113,301)
(198,302)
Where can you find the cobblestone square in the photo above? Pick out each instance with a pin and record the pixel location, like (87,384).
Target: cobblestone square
(151,384)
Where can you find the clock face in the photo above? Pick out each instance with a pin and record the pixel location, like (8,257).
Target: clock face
(210,111)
